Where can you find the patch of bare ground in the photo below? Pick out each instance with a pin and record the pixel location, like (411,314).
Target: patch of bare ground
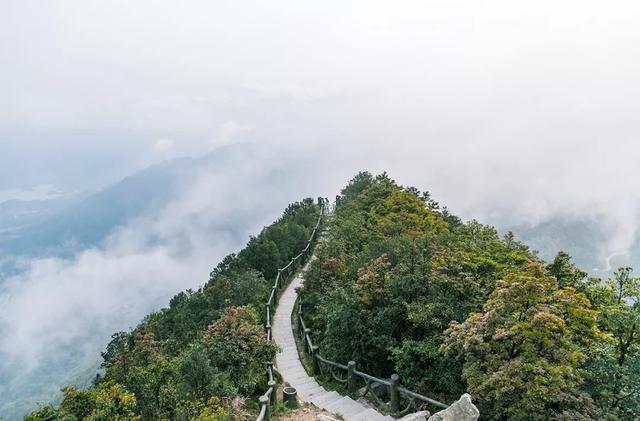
(306,412)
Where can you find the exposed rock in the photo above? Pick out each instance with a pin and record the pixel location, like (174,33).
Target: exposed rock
(323,417)
(416,416)
(461,410)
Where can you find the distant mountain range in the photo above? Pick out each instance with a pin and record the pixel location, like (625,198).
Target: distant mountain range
(585,239)
(63,226)
(67,224)
(15,214)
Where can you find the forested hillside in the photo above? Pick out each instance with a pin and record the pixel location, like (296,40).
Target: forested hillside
(404,286)
(203,357)
(400,286)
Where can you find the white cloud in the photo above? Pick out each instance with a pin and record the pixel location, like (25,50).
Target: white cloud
(163,145)
(39,192)
(228,133)
(500,109)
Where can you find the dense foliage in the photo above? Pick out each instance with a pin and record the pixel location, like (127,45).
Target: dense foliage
(400,285)
(404,286)
(202,358)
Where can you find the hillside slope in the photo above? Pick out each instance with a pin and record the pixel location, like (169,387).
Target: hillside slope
(199,357)
(404,287)
(400,286)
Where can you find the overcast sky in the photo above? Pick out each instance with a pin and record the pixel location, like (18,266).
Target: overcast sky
(493,105)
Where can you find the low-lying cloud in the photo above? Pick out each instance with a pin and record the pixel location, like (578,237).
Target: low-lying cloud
(61,312)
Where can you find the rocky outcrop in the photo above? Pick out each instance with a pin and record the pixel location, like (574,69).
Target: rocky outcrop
(417,416)
(461,410)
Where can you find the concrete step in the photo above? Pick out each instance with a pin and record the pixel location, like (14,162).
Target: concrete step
(310,388)
(291,371)
(309,392)
(368,414)
(337,404)
(302,381)
(347,407)
(324,399)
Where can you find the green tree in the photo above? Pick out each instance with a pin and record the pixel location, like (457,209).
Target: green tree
(79,403)
(372,285)
(566,273)
(614,366)
(198,378)
(236,344)
(113,403)
(522,354)
(236,288)
(200,410)
(49,413)
(118,355)
(149,384)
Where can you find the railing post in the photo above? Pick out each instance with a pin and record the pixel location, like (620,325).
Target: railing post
(316,363)
(264,401)
(269,371)
(275,295)
(351,376)
(267,312)
(302,335)
(274,395)
(300,317)
(307,331)
(394,394)
(279,283)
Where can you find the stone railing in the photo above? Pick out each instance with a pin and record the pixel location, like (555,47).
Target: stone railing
(269,398)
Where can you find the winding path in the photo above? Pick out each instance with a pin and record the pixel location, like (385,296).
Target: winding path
(292,371)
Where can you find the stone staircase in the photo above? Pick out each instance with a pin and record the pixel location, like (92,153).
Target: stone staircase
(292,371)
